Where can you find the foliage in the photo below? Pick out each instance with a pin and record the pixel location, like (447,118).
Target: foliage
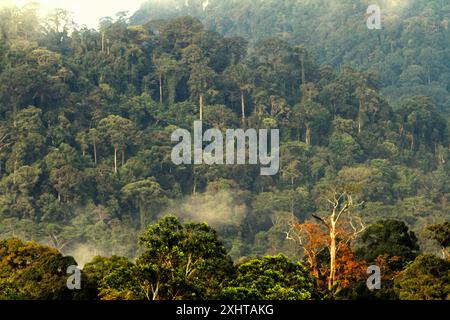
(270,278)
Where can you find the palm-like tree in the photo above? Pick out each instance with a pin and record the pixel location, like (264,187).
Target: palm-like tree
(243,76)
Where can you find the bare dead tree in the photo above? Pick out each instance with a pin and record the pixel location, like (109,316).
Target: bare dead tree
(340,218)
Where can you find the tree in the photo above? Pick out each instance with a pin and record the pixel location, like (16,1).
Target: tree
(164,65)
(144,193)
(93,136)
(67,180)
(336,222)
(179,262)
(241,74)
(119,131)
(96,275)
(427,278)
(200,82)
(270,278)
(310,115)
(389,237)
(312,239)
(441,234)
(32,272)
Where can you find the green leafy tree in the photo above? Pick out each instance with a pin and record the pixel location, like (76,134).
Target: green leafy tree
(391,237)
(32,272)
(427,278)
(119,131)
(144,193)
(179,262)
(271,278)
(441,234)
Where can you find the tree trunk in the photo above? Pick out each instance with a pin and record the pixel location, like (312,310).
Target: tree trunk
(141,217)
(14,115)
(302,61)
(445,253)
(194,191)
(308,135)
(332,276)
(313,264)
(201,107)
(362,104)
(95,153)
(359,120)
(123,156)
(243,106)
(14,171)
(115,159)
(161,89)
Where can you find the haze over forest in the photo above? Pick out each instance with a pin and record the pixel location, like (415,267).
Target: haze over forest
(86,117)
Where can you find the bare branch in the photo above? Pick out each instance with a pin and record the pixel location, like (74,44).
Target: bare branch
(321,220)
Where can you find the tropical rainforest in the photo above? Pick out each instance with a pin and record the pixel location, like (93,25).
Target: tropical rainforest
(86,176)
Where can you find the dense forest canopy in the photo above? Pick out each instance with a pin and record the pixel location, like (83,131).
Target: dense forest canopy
(86,118)
(410,53)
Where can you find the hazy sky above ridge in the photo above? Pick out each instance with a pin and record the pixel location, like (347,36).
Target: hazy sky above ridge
(87,12)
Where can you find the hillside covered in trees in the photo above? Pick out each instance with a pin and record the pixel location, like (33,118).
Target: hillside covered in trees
(86,118)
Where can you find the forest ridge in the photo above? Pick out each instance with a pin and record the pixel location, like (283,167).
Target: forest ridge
(86,118)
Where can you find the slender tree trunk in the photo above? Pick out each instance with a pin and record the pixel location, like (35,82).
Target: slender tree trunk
(332,276)
(161,89)
(445,253)
(194,191)
(243,106)
(313,265)
(123,156)
(115,159)
(141,217)
(362,104)
(201,107)
(360,119)
(14,115)
(95,153)
(308,135)
(302,60)
(14,171)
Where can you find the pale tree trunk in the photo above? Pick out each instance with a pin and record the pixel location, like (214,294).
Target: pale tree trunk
(201,107)
(194,191)
(308,135)
(14,115)
(360,120)
(313,264)
(161,90)
(115,159)
(445,254)
(243,106)
(95,153)
(332,276)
